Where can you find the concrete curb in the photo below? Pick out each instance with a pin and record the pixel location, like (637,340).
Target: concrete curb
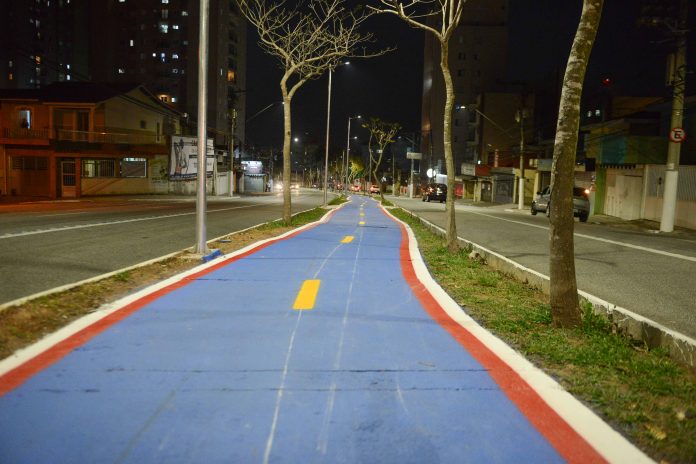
(681,347)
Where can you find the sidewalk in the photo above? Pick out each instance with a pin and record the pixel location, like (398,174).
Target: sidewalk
(329,344)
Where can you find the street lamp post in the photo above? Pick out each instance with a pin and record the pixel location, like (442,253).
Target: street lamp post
(326,155)
(201,246)
(328,124)
(348,146)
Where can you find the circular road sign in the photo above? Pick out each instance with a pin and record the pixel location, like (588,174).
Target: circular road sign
(677,135)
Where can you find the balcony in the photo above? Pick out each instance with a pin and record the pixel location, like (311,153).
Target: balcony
(64,135)
(31,134)
(43,136)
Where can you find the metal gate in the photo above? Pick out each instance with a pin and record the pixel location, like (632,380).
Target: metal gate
(68,179)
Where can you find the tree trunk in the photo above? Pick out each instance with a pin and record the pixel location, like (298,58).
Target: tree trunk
(287,165)
(450,224)
(565,309)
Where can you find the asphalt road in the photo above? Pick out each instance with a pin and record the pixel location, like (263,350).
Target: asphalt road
(623,263)
(45,245)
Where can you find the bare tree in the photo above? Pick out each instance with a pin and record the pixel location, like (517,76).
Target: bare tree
(565,309)
(381,134)
(308,40)
(440,18)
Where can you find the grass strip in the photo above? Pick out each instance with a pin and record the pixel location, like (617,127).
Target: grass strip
(642,393)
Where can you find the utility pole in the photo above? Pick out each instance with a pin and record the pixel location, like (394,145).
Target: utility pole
(230,177)
(678,77)
(519,117)
(393,172)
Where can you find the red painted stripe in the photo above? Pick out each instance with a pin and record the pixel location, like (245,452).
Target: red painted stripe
(53,354)
(568,443)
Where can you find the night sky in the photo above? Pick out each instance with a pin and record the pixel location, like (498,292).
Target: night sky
(390,87)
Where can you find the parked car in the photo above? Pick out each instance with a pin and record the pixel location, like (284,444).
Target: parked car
(435,192)
(581,203)
(355,187)
(374,188)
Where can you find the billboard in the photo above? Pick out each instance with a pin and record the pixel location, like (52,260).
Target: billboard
(184,158)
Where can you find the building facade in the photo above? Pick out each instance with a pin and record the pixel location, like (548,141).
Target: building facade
(477,60)
(43,41)
(156,42)
(71,139)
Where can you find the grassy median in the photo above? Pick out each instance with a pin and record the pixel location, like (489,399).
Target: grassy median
(642,393)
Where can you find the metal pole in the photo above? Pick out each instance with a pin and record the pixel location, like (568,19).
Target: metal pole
(326,156)
(520,196)
(348,149)
(413,187)
(201,247)
(230,178)
(393,173)
(669,201)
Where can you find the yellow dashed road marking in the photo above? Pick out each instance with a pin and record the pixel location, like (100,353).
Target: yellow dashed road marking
(347,239)
(307,296)
(362,223)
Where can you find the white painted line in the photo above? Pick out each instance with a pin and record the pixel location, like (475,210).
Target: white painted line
(599,239)
(109,223)
(608,442)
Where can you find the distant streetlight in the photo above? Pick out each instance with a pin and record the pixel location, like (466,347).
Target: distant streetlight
(348,147)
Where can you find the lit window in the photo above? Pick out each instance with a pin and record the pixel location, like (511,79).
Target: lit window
(130,42)
(164,28)
(173,99)
(175,56)
(68,66)
(134,167)
(230,75)
(185,42)
(165,1)
(165,14)
(175,71)
(11,77)
(11,63)
(25,118)
(121,71)
(121,1)
(67,77)
(38,59)
(154,55)
(184,13)
(589,114)
(175,26)
(597,112)
(163,57)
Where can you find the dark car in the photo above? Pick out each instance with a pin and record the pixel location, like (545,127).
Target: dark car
(581,203)
(435,192)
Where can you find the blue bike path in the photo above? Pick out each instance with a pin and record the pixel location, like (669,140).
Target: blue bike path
(321,346)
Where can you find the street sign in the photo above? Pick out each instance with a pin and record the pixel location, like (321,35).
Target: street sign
(677,135)
(413,155)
